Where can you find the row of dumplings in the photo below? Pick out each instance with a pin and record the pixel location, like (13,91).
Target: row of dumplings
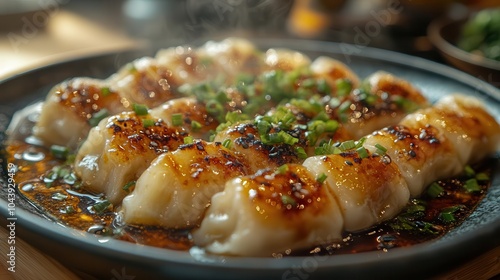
(249,197)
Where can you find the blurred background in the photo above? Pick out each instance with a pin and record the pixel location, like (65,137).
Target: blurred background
(37,32)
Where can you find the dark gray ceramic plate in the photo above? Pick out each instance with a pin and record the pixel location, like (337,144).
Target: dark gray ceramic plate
(108,259)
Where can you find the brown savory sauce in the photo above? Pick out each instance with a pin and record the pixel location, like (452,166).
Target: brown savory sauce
(50,185)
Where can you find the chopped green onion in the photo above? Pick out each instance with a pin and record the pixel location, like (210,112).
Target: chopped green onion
(188,140)
(214,108)
(263,127)
(222,127)
(311,137)
(128,186)
(322,116)
(177,119)
(282,169)
(342,111)
(273,138)
(301,153)
(368,98)
(380,149)
(289,139)
(148,123)
(244,78)
(406,104)
(68,209)
(317,127)
(70,158)
(344,87)
(221,97)
(140,109)
(452,209)
(345,106)
(196,125)
(59,172)
(77,185)
(326,148)
(321,178)
(362,152)
(288,200)
(101,207)
(227,143)
(471,185)
(415,208)
(48,181)
(70,178)
(306,106)
(105,91)
(360,142)
(235,116)
(347,145)
(60,152)
(303,92)
(308,83)
(323,87)
(435,190)
(97,117)
(446,217)
(446,214)
(279,138)
(63,172)
(286,120)
(211,138)
(411,218)
(331,126)
(59,196)
(469,172)
(482,177)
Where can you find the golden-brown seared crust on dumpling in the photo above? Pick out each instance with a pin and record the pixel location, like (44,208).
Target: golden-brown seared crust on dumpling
(369,190)
(129,133)
(119,149)
(269,212)
(177,186)
(465,122)
(381,100)
(71,109)
(246,142)
(285,192)
(194,117)
(145,81)
(423,154)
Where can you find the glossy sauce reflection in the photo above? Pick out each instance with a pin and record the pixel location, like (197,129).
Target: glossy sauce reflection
(62,200)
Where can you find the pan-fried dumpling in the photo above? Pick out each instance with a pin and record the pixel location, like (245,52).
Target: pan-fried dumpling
(119,149)
(364,178)
(73,107)
(176,189)
(270,212)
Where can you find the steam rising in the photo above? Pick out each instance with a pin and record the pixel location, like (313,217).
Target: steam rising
(187,21)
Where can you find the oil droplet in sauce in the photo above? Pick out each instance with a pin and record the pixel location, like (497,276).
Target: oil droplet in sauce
(32,140)
(33,155)
(26,187)
(64,201)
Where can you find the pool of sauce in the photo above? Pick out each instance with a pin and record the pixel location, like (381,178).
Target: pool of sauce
(61,198)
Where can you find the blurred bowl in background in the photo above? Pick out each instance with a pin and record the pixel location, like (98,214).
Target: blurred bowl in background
(444,34)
